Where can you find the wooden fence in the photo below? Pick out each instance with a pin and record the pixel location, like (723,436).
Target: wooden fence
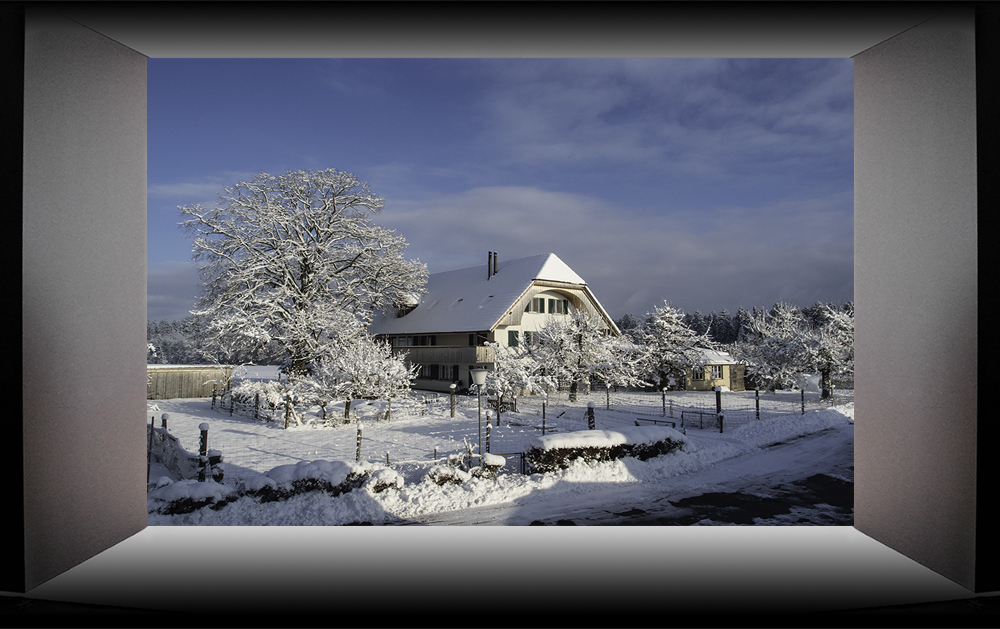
(165,382)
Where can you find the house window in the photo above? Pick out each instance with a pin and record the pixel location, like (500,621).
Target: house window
(512,338)
(715,372)
(552,306)
(401,341)
(528,338)
(699,373)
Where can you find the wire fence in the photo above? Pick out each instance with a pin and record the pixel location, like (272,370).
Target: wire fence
(508,435)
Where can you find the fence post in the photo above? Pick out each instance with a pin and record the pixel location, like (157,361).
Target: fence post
(487,432)
(543,419)
(756,394)
(288,409)
(720,423)
(718,399)
(671,408)
(664,395)
(452,387)
(256,405)
(203,451)
(358,456)
(149,449)
(232,403)
(803,401)
(387,457)
(590,415)
(607,391)
(388,411)
(163,420)
(214,385)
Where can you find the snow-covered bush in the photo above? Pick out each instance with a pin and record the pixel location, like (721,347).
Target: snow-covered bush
(445,474)
(189,495)
(383,480)
(553,452)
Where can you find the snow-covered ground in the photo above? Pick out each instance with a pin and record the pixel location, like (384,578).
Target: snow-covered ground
(421,433)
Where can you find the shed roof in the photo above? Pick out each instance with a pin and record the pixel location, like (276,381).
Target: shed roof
(471,299)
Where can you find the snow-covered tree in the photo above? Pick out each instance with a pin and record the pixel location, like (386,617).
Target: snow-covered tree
(722,330)
(772,346)
(671,346)
(828,346)
(356,366)
(571,349)
(294,259)
(742,322)
(515,371)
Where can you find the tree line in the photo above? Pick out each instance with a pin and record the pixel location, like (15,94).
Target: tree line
(775,345)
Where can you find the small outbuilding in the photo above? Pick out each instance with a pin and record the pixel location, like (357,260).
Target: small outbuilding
(164,382)
(720,370)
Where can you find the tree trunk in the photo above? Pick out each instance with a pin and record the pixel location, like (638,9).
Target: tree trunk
(825,382)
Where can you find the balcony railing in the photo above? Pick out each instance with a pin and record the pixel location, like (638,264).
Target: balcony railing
(442,355)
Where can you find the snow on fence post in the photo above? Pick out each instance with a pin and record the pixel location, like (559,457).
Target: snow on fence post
(590,416)
(358,456)
(203,451)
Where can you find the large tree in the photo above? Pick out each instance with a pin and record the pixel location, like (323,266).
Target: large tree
(294,259)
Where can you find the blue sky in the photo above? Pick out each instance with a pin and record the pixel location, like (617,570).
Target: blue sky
(706,183)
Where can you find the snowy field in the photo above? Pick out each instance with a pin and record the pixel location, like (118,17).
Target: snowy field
(421,428)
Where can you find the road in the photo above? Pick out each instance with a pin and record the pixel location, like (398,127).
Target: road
(805,481)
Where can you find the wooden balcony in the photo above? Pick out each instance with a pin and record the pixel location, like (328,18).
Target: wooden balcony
(444,355)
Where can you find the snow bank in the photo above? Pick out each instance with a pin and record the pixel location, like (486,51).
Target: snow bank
(777,430)
(334,472)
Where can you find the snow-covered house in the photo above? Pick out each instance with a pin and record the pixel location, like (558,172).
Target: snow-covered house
(720,370)
(446,330)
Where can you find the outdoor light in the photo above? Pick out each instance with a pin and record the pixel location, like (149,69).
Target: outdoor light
(479,378)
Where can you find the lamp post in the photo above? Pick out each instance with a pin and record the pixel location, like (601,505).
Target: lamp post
(479,378)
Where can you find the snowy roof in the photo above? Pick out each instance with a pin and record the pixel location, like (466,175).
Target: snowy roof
(713,357)
(467,300)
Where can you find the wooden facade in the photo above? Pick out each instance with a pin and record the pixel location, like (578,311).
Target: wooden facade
(164,382)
